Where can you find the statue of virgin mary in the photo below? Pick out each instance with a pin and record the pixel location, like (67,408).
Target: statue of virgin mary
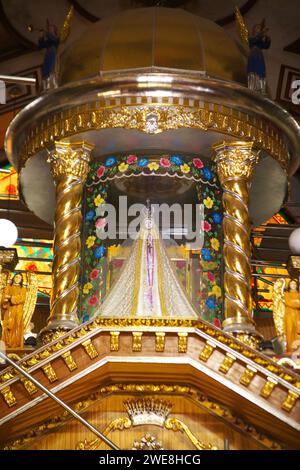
(147,286)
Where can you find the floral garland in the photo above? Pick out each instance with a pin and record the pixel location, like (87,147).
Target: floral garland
(210,293)
(94,250)
(174,165)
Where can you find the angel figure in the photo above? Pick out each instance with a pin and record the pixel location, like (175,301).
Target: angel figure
(259,40)
(50,39)
(286,313)
(17,308)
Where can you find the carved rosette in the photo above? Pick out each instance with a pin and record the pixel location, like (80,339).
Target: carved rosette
(69,167)
(235,162)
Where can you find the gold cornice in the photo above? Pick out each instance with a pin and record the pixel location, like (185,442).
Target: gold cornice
(192,393)
(82,334)
(169,112)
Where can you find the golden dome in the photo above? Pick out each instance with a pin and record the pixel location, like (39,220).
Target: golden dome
(153,37)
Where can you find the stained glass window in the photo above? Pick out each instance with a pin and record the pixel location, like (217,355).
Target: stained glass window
(8,183)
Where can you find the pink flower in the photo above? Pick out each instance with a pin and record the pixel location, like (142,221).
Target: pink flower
(131,159)
(217,323)
(94,274)
(198,163)
(93,300)
(117,263)
(165,162)
(210,276)
(180,264)
(205,225)
(100,223)
(100,171)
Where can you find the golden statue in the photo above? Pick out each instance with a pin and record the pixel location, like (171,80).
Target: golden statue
(17,308)
(286,313)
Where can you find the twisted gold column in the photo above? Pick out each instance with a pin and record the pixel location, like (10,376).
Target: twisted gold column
(235,162)
(69,167)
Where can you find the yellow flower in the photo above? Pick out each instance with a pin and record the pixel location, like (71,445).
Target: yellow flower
(98,200)
(90,241)
(208,202)
(215,244)
(216,290)
(153,166)
(87,287)
(123,167)
(185,168)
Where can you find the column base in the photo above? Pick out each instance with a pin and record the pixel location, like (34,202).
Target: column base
(55,329)
(244,330)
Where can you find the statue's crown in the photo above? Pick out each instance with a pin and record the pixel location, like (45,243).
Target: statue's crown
(148,411)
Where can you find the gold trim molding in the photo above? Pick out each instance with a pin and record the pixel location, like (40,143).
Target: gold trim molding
(153,115)
(143,390)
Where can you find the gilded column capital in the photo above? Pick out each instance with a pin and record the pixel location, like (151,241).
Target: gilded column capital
(70,159)
(235,160)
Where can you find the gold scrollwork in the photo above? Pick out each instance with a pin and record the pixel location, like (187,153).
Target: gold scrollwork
(268,387)
(193,393)
(176,425)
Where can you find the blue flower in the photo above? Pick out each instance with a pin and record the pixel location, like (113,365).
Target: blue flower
(206,255)
(99,252)
(176,160)
(89,215)
(207,174)
(210,302)
(110,161)
(85,318)
(143,162)
(217,218)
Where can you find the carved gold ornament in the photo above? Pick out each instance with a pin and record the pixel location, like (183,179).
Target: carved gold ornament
(247,376)
(207,351)
(193,393)
(147,115)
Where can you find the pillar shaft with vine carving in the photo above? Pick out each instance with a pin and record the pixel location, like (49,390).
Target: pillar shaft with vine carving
(235,162)
(69,167)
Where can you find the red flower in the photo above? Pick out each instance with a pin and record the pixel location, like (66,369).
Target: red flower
(205,225)
(100,171)
(93,300)
(90,189)
(11,189)
(94,274)
(198,163)
(210,276)
(131,159)
(217,323)
(165,162)
(31,267)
